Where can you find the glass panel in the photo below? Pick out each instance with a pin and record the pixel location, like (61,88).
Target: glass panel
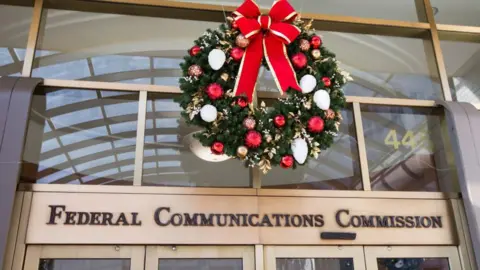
(381,66)
(386,9)
(203,264)
(84,264)
(462,61)
(452,12)
(110,47)
(407,149)
(315,264)
(81,137)
(14,27)
(413,263)
(168,160)
(336,168)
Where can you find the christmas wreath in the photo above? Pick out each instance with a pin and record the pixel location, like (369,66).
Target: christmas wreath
(220,75)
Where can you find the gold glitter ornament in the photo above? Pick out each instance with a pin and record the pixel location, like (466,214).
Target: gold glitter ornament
(242,41)
(225,76)
(249,123)
(316,54)
(304,45)
(242,152)
(330,114)
(195,71)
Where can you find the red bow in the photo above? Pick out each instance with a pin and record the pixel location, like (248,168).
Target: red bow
(268,36)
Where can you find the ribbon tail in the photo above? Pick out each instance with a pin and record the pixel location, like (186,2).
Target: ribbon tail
(282,70)
(249,67)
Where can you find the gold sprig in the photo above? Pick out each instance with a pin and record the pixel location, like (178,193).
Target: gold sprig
(264,165)
(315,150)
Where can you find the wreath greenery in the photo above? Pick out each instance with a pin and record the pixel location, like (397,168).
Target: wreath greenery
(260,135)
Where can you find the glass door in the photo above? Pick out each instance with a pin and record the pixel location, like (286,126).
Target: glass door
(418,258)
(311,258)
(200,257)
(84,257)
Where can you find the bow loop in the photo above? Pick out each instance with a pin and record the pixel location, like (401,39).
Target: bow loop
(248,9)
(286,32)
(282,11)
(248,27)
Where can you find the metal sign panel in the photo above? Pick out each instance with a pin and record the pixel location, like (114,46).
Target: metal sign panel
(93,218)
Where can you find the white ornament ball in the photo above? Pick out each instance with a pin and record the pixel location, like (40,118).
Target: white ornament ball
(208,113)
(300,150)
(201,151)
(216,59)
(322,99)
(308,83)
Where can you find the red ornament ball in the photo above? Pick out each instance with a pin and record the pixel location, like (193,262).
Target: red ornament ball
(242,41)
(249,123)
(286,162)
(214,91)
(316,42)
(234,25)
(299,60)
(253,139)
(217,148)
(195,50)
(304,45)
(237,54)
(279,121)
(326,81)
(316,124)
(195,71)
(242,102)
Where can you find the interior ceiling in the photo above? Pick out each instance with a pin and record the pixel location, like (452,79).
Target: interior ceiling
(70,31)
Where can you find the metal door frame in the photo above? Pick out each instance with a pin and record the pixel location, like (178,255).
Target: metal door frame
(374,252)
(274,252)
(136,254)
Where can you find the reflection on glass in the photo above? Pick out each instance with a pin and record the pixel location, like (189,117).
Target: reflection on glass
(413,263)
(386,9)
(14,27)
(81,137)
(406,149)
(110,47)
(168,160)
(381,66)
(202,264)
(335,169)
(315,263)
(84,264)
(451,12)
(462,61)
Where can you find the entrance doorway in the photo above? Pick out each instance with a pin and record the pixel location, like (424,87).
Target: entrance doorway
(42,257)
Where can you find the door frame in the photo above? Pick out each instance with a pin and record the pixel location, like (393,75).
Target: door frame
(34,253)
(154,253)
(449,252)
(274,252)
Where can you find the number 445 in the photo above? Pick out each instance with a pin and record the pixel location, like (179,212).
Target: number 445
(409,140)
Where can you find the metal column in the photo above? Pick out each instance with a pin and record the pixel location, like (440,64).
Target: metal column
(15,99)
(463,121)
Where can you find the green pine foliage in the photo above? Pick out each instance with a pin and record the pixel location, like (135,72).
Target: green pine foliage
(297,107)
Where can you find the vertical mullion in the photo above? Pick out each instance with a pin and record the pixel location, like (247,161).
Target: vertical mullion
(437,51)
(362,149)
(259,257)
(32,38)
(142,116)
